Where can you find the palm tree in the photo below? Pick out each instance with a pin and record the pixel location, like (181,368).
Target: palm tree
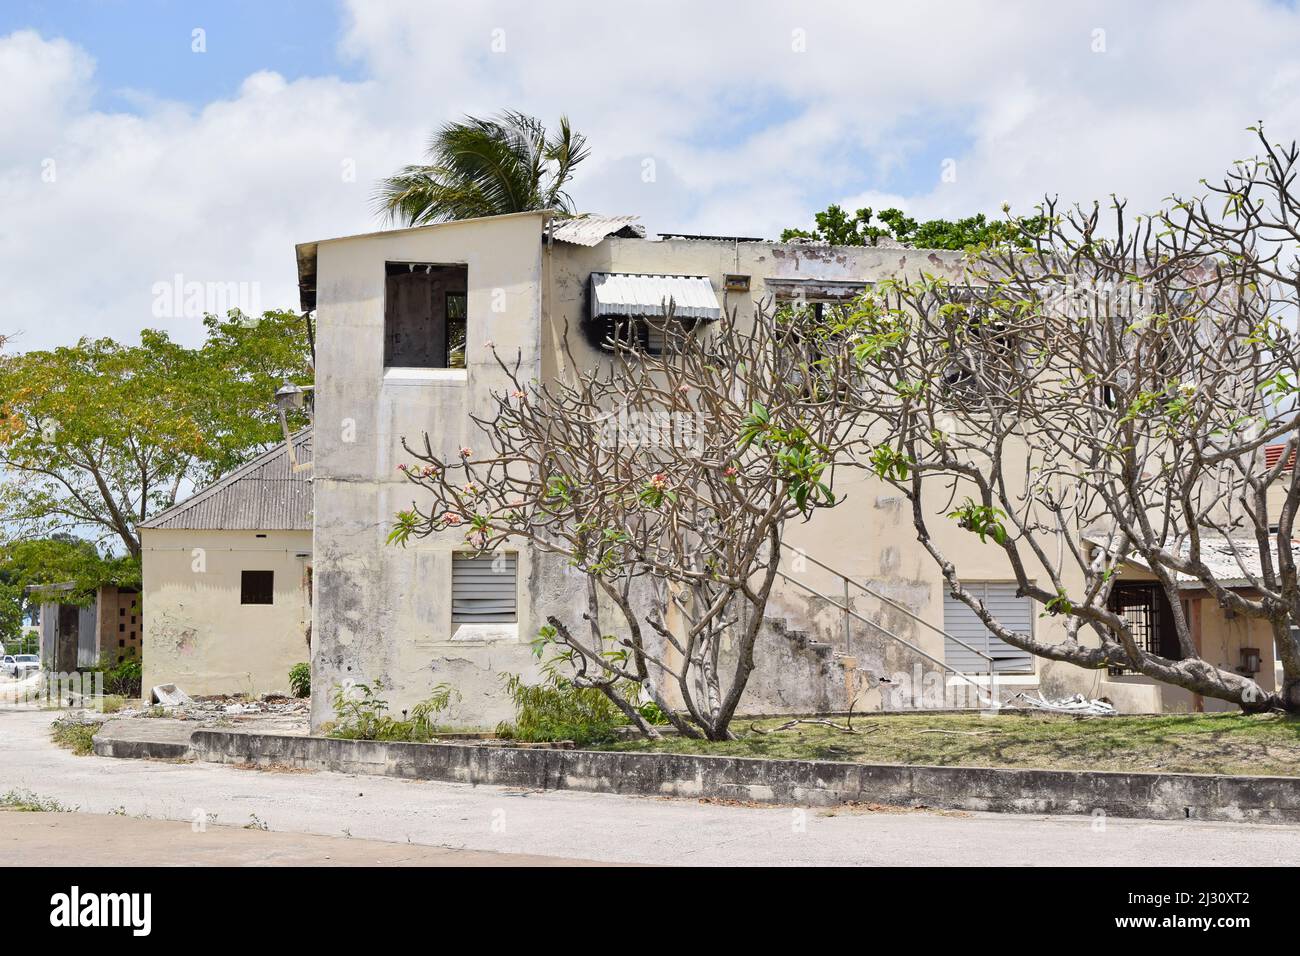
(485,167)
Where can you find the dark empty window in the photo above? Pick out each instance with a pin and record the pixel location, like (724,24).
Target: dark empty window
(256,587)
(425,315)
(651,336)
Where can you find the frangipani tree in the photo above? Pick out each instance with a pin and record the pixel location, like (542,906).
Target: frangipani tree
(665,481)
(1104,400)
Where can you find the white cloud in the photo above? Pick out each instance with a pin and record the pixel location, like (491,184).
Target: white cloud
(747,134)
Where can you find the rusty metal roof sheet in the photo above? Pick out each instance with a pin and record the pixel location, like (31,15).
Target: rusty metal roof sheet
(263,495)
(592,230)
(1273,454)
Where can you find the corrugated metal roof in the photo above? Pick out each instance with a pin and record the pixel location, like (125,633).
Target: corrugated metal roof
(703,237)
(592,230)
(263,495)
(1232,561)
(625,293)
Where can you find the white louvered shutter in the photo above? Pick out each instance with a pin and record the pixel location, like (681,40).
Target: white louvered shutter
(960,621)
(483,588)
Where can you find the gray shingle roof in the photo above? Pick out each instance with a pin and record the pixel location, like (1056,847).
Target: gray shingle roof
(263,495)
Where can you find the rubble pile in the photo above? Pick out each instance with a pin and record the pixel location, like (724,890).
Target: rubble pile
(1078,705)
(174,703)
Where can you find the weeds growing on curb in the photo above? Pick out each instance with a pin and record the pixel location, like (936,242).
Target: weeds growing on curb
(28,802)
(360,713)
(76,735)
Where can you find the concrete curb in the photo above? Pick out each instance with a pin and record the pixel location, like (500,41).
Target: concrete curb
(1159,796)
(141,749)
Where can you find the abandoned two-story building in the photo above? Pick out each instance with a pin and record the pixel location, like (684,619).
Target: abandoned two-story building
(404,319)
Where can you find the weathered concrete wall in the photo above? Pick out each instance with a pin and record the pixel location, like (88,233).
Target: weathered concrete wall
(198,635)
(794,673)
(869,536)
(383,613)
(818,783)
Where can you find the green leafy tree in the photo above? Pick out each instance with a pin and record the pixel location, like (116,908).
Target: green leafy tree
(11,612)
(486,167)
(836,227)
(97,436)
(64,559)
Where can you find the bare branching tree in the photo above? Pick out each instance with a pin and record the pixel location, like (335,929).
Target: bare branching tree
(663,480)
(1104,401)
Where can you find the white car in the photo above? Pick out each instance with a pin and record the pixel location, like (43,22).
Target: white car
(20,665)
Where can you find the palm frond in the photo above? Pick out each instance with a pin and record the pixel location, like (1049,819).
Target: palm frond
(485,167)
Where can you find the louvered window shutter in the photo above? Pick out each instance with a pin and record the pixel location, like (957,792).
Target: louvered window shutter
(483,588)
(960,621)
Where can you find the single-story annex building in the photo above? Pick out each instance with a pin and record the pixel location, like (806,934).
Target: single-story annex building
(227,580)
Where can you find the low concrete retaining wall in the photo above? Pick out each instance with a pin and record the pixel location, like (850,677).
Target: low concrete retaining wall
(141,749)
(1171,796)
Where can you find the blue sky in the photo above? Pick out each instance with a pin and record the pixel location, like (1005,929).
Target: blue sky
(127,159)
(144,46)
(144,51)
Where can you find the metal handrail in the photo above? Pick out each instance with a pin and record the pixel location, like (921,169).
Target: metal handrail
(880,597)
(890,634)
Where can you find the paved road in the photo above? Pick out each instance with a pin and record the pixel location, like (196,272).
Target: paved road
(87,839)
(603,827)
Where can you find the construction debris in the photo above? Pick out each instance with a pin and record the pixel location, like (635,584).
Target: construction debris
(169,695)
(1078,705)
(218,707)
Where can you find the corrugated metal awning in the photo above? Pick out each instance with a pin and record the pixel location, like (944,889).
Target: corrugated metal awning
(625,293)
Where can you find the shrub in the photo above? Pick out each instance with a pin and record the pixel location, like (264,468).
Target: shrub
(652,713)
(75,735)
(25,800)
(557,709)
(124,679)
(300,680)
(360,713)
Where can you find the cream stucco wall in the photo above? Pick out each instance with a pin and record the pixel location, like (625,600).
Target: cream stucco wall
(382,612)
(197,633)
(869,536)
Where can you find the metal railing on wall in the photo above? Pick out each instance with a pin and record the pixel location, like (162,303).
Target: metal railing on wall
(849,615)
